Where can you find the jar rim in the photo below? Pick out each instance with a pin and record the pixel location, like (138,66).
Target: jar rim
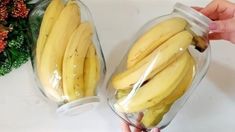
(193,13)
(78,106)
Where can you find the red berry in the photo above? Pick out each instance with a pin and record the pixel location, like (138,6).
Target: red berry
(3,13)
(20,9)
(2,45)
(4,2)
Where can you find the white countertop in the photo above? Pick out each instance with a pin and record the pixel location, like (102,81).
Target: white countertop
(210,108)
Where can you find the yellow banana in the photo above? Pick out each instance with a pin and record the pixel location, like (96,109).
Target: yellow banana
(178,92)
(50,16)
(154,115)
(122,93)
(73,63)
(91,71)
(183,86)
(154,62)
(98,68)
(158,88)
(50,69)
(153,38)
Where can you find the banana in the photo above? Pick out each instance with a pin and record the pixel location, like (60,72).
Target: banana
(183,86)
(98,68)
(155,62)
(73,63)
(50,69)
(50,16)
(158,88)
(153,38)
(91,72)
(122,93)
(154,115)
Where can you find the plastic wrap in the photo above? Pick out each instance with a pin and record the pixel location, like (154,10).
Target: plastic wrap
(67,59)
(167,60)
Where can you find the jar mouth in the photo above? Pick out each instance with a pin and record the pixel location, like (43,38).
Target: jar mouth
(78,106)
(204,20)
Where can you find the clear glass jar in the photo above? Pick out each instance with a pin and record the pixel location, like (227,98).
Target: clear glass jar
(153,81)
(67,57)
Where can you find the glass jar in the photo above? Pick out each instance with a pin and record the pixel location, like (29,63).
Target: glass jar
(155,78)
(67,58)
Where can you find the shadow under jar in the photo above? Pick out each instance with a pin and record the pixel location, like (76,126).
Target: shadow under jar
(167,60)
(67,57)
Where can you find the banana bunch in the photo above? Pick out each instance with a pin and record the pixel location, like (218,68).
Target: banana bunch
(66,60)
(159,70)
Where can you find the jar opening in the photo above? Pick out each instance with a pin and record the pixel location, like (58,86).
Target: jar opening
(78,106)
(193,14)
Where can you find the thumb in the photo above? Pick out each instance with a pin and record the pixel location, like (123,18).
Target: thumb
(155,130)
(223,26)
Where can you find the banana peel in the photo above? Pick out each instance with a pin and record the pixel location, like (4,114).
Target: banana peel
(50,16)
(50,68)
(73,62)
(155,62)
(153,38)
(157,89)
(91,72)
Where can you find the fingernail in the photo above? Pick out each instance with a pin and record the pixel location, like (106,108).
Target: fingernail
(213,26)
(155,130)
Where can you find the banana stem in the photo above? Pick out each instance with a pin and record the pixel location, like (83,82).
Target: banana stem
(198,41)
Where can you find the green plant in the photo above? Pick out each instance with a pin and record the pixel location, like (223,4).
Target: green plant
(14,39)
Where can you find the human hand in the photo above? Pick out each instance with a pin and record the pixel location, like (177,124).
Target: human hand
(222,13)
(126,128)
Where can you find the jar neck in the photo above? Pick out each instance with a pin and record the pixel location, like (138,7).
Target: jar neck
(196,20)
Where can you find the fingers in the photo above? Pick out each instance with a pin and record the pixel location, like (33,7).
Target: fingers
(222,26)
(216,36)
(125,127)
(155,130)
(224,36)
(214,16)
(219,9)
(138,122)
(212,7)
(215,8)
(197,8)
(211,10)
(137,130)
